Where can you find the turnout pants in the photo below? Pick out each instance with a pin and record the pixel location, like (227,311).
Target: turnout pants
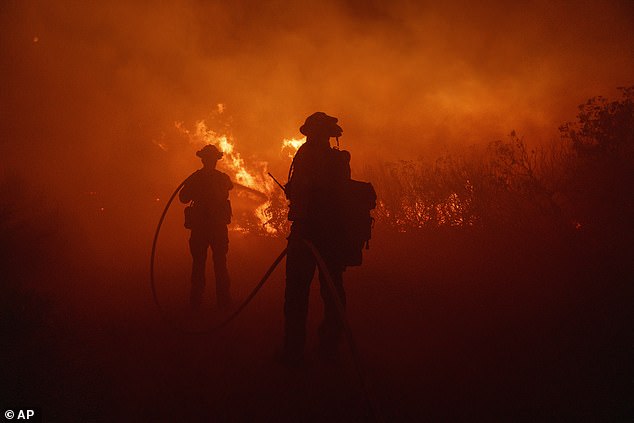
(214,236)
(300,268)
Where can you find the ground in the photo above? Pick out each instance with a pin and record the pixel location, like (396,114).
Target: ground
(450,325)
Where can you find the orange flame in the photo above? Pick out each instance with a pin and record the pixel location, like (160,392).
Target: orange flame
(252,175)
(291,145)
(268,218)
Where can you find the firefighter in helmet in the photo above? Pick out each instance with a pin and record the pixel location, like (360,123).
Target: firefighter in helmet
(208,215)
(314,190)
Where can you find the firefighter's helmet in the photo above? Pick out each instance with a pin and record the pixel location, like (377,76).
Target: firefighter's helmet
(320,123)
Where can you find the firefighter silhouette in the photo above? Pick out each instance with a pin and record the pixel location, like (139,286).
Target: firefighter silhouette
(209,213)
(315,191)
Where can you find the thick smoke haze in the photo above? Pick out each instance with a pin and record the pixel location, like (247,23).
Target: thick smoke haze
(88,88)
(92,91)
(525,313)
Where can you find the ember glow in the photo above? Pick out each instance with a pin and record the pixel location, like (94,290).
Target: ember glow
(417,212)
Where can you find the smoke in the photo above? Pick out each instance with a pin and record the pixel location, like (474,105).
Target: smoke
(467,320)
(92,91)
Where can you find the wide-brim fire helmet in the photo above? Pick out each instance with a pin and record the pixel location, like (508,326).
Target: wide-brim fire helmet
(320,124)
(210,151)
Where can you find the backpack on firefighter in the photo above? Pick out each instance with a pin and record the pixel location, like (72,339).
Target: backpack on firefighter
(358,199)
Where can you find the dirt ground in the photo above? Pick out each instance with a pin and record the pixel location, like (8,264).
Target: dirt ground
(450,326)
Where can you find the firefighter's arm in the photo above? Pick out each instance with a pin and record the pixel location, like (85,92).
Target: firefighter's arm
(303,180)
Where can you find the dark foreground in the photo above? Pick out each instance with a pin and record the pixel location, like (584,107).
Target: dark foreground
(451,326)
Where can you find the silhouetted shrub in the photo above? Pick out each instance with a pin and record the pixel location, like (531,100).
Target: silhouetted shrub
(498,186)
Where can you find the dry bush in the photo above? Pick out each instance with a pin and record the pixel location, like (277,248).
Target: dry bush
(498,186)
(583,180)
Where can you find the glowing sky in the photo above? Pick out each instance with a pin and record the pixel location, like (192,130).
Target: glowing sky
(90,89)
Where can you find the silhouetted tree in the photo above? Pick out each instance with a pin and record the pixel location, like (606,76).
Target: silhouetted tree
(603,127)
(599,180)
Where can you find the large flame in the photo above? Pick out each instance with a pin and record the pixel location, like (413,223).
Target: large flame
(251,175)
(267,216)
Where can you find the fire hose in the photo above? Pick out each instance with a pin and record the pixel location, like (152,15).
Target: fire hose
(234,314)
(321,264)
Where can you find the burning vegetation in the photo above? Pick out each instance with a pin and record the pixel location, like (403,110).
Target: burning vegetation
(258,202)
(505,184)
(499,275)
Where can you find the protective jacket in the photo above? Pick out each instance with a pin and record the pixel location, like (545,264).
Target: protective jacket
(208,190)
(315,188)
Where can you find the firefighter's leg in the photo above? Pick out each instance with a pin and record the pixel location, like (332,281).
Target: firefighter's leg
(220,247)
(198,244)
(331,327)
(300,268)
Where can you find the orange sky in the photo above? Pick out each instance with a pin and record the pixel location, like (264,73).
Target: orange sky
(89,90)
